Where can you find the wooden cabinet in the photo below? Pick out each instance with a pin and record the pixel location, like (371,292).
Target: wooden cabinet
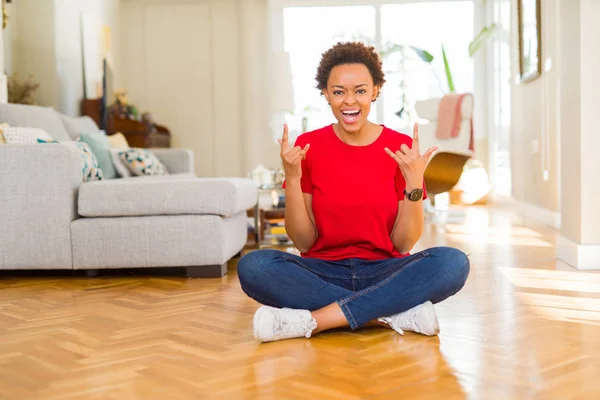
(138,133)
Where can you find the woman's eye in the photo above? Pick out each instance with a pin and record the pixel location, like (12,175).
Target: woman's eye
(337,92)
(361,91)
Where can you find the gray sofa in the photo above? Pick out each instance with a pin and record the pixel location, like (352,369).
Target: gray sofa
(50,219)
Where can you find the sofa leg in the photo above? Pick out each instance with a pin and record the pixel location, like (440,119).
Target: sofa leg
(91,273)
(206,271)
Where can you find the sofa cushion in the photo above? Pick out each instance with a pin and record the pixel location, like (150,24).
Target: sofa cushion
(119,165)
(44,118)
(101,149)
(75,126)
(150,195)
(118,141)
(2,127)
(18,135)
(142,162)
(89,164)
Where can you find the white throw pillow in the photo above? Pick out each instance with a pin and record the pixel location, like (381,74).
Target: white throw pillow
(21,135)
(119,165)
(142,162)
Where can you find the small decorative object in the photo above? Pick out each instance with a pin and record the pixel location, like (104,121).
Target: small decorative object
(263,176)
(279,176)
(530,46)
(121,108)
(21,92)
(147,119)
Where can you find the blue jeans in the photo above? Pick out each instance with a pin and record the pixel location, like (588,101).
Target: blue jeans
(365,290)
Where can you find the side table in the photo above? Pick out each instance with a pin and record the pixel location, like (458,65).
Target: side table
(266,213)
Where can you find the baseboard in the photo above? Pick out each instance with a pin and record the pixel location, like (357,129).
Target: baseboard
(580,256)
(539,214)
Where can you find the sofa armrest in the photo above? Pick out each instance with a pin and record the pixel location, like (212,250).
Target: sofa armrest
(177,161)
(38,189)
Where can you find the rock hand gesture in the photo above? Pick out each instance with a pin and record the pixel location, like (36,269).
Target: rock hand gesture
(411,162)
(292,158)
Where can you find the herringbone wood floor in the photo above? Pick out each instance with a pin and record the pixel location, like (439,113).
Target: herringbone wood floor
(525,326)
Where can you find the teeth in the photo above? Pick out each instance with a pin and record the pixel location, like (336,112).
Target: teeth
(351,112)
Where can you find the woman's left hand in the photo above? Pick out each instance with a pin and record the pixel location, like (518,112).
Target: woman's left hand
(411,162)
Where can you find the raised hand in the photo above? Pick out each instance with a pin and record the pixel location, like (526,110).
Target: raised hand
(411,162)
(292,158)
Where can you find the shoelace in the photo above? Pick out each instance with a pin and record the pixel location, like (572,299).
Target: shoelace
(406,321)
(389,320)
(295,323)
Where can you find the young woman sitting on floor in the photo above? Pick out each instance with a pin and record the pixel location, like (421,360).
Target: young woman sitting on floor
(354,193)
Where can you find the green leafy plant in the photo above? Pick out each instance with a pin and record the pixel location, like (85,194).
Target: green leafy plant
(478,42)
(424,55)
(447,70)
(482,38)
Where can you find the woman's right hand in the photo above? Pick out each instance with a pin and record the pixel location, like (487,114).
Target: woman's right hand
(292,158)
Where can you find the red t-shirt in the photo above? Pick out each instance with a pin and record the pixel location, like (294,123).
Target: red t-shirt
(355,193)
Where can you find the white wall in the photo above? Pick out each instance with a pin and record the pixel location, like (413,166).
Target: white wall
(200,68)
(579,240)
(571,146)
(536,117)
(69,70)
(43,40)
(590,121)
(30,46)
(7,36)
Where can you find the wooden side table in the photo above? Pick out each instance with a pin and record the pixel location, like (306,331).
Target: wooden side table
(268,215)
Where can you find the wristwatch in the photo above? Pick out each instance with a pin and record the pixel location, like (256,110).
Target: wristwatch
(414,195)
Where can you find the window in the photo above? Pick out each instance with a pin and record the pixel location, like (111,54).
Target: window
(426,26)
(309,31)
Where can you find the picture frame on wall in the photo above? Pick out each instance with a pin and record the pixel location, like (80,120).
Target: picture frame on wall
(530,39)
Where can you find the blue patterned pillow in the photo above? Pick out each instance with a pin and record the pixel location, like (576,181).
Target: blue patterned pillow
(89,164)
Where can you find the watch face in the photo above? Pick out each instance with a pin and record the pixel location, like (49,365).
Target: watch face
(416,194)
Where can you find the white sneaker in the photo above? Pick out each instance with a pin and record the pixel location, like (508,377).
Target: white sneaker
(272,324)
(420,319)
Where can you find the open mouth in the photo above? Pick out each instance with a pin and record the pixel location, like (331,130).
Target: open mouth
(350,116)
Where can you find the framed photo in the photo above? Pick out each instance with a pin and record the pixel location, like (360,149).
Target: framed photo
(530,40)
